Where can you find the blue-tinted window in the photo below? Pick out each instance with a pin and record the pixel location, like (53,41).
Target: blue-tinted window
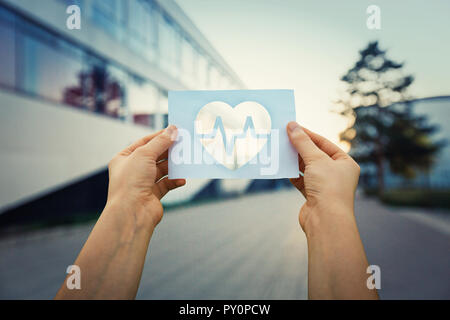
(38,61)
(71,2)
(49,67)
(169,46)
(105,14)
(165,120)
(142,27)
(142,101)
(189,65)
(7,49)
(105,88)
(116,89)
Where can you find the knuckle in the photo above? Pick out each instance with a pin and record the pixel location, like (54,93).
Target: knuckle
(313,156)
(139,151)
(164,138)
(112,162)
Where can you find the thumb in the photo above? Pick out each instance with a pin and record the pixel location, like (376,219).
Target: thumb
(305,147)
(159,144)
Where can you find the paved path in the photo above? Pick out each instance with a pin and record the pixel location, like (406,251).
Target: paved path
(414,255)
(244,248)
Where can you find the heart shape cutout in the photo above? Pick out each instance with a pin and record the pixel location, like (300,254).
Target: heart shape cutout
(233,136)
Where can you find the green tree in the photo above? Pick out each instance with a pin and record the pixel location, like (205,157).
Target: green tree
(383,127)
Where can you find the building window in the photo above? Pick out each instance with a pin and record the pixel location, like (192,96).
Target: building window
(189,63)
(104,88)
(41,62)
(142,24)
(8,49)
(142,101)
(163,105)
(79,3)
(163,110)
(50,67)
(106,14)
(169,46)
(165,120)
(116,89)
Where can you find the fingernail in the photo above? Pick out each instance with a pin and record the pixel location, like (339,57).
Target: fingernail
(172,132)
(294,127)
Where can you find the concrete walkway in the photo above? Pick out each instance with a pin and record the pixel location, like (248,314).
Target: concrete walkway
(243,248)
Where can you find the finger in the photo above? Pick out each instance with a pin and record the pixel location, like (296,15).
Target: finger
(162,169)
(303,143)
(157,146)
(165,185)
(325,145)
(142,141)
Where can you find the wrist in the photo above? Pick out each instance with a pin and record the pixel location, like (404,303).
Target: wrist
(331,218)
(131,213)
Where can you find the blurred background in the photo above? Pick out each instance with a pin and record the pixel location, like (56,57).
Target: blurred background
(70,99)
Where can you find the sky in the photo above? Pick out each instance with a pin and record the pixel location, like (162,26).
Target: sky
(308,45)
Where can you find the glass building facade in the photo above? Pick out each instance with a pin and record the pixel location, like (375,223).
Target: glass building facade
(40,62)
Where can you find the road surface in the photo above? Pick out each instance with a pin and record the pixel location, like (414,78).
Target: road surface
(249,247)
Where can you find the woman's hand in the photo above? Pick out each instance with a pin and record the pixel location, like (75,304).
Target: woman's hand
(337,263)
(113,257)
(137,179)
(330,176)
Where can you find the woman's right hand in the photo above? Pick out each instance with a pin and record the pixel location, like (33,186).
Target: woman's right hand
(337,263)
(330,177)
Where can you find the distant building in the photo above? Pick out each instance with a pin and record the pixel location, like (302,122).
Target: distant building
(70,99)
(437,111)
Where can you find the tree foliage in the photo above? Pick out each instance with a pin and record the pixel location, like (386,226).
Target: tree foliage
(384,129)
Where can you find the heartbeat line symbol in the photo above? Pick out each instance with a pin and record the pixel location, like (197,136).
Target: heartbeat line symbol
(229,145)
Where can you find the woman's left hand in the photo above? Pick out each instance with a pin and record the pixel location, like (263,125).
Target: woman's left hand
(137,177)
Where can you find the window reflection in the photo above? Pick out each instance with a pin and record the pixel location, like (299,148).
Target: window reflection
(42,63)
(104,89)
(189,62)
(142,26)
(169,46)
(115,92)
(163,109)
(163,106)
(106,15)
(153,34)
(142,101)
(165,120)
(7,51)
(50,67)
